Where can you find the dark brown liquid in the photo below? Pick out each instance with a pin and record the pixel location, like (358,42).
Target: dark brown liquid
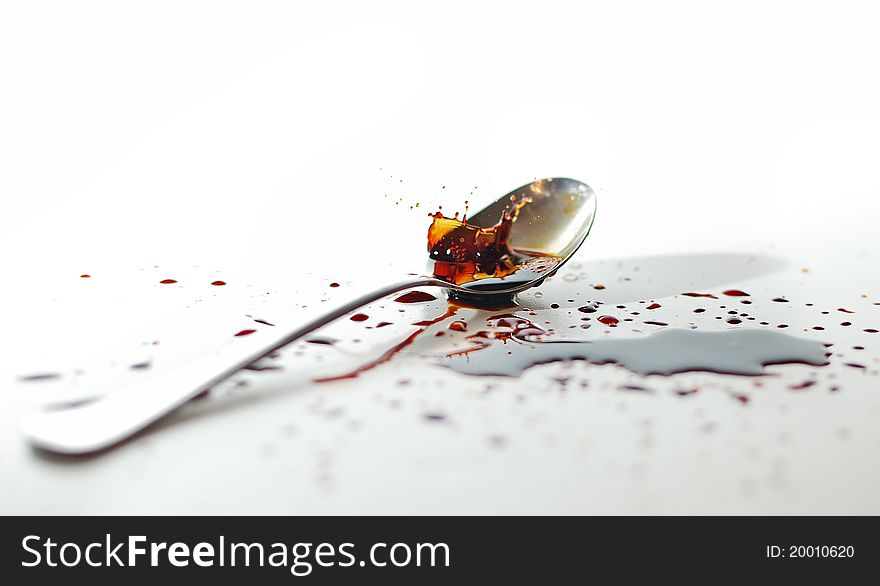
(415,297)
(501,328)
(485,302)
(386,356)
(390,353)
(456,241)
(692,294)
(481,259)
(638,388)
(668,351)
(609,320)
(804,385)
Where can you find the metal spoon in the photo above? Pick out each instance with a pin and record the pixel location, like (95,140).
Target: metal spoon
(547,230)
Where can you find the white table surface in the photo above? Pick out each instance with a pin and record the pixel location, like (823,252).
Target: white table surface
(280,148)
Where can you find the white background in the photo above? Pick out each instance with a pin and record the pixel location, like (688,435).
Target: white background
(267,143)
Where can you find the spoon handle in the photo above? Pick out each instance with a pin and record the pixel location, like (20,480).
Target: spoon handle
(114,417)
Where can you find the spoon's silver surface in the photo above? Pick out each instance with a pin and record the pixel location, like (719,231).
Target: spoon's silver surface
(555,223)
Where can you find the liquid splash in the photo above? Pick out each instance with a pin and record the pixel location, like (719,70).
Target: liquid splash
(464,254)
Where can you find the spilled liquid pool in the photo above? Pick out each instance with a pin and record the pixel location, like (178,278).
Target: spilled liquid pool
(738,351)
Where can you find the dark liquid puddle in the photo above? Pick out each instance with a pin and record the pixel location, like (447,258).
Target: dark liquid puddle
(740,351)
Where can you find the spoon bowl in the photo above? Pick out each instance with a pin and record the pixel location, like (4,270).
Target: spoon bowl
(556,221)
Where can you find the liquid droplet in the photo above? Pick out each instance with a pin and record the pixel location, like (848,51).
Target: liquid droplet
(40,376)
(609,320)
(458,326)
(415,297)
(692,294)
(804,385)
